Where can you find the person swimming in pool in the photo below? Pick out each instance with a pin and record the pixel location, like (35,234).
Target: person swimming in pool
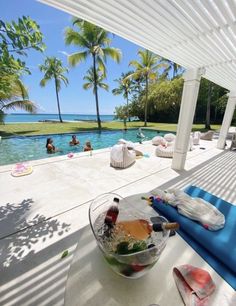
(88,146)
(74,141)
(140,133)
(50,147)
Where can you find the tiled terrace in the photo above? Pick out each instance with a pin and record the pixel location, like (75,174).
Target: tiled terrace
(42,214)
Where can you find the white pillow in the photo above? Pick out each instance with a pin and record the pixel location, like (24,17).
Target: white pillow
(170,137)
(158,140)
(130,144)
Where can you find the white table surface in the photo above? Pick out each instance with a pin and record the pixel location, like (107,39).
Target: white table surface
(92,282)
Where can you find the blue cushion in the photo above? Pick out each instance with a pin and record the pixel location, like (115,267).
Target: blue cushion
(219,246)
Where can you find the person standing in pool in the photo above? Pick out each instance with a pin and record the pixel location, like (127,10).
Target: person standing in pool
(88,146)
(74,141)
(140,133)
(50,147)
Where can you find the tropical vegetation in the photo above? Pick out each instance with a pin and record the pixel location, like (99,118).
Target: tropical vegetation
(16,38)
(147,69)
(95,42)
(91,81)
(151,91)
(126,86)
(15,97)
(54,70)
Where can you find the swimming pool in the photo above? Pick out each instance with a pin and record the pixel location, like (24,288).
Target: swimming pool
(18,149)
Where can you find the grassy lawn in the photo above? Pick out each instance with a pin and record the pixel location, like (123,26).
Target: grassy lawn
(25,129)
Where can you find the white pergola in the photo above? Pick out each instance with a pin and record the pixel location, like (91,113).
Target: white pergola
(199,35)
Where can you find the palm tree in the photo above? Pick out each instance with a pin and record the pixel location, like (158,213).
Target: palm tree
(90,84)
(95,42)
(16,96)
(126,87)
(53,70)
(146,68)
(171,66)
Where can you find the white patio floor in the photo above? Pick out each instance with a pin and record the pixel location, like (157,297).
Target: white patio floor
(42,214)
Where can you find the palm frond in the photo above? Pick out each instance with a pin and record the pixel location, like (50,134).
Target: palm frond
(104,86)
(101,66)
(63,79)
(103,39)
(87,86)
(76,58)
(44,81)
(77,21)
(135,64)
(152,75)
(26,105)
(22,89)
(113,53)
(88,78)
(75,38)
(117,91)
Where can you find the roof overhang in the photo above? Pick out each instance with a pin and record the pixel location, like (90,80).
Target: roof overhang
(191,33)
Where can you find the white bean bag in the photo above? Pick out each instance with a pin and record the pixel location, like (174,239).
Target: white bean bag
(207,136)
(158,140)
(169,137)
(121,156)
(162,151)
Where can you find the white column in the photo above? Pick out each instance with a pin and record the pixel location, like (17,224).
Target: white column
(192,79)
(229,112)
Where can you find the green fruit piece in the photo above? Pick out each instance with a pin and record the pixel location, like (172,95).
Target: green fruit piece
(138,246)
(64,254)
(112,261)
(122,248)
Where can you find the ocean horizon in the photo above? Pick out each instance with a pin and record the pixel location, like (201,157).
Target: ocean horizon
(23,118)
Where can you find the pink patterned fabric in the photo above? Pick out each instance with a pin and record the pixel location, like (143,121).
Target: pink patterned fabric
(194,284)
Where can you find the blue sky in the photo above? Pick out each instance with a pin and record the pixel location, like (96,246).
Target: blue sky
(74,99)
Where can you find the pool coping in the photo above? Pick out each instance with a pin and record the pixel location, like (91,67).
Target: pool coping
(48,160)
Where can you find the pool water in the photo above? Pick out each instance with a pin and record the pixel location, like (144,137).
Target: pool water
(18,149)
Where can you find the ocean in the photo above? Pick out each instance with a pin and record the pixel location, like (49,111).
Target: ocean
(13,118)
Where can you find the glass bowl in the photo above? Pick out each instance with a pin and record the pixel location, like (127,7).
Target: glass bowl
(134,264)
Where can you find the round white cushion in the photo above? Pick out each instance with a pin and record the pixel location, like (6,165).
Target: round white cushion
(158,140)
(170,137)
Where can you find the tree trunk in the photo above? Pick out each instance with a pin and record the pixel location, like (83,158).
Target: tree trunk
(146,102)
(127,102)
(96,92)
(208,111)
(58,103)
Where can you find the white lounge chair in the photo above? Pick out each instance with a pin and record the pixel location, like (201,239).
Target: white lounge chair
(196,137)
(207,136)
(168,150)
(162,151)
(121,156)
